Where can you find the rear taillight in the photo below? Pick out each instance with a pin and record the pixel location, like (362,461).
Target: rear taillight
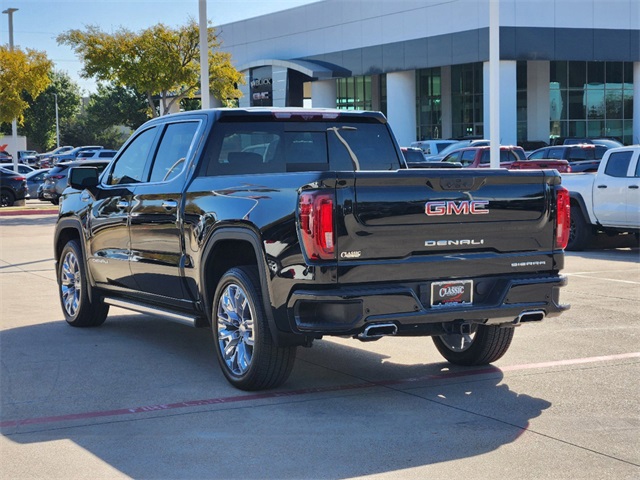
(315,210)
(563,217)
(56,177)
(21,179)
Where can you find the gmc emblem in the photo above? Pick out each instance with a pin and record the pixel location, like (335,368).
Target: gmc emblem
(451,207)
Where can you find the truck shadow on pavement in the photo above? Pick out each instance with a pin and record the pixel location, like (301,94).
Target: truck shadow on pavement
(344,412)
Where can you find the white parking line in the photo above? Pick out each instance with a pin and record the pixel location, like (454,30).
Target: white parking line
(600,278)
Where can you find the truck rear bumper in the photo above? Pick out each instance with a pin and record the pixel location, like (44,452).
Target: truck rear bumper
(497,300)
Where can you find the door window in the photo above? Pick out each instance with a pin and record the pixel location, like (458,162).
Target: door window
(172,152)
(618,164)
(129,168)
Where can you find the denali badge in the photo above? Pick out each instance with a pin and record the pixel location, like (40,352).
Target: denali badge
(451,207)
(449,243)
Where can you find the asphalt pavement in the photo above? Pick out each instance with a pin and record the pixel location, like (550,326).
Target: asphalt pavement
(141,397)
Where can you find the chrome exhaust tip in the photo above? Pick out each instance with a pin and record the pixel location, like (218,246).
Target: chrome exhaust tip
(532,316)
(377,330)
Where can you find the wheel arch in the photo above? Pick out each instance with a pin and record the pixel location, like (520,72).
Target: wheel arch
(234,247)
(578,201)
(71,229)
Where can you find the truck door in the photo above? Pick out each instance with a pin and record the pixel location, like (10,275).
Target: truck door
(612,186)
(109,241)
(156,240)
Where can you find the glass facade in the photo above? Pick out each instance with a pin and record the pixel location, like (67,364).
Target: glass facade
(354,93)
(429,103)
(466,100)
(521,101)
(592,99)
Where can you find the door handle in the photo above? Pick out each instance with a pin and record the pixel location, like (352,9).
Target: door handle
(602,186)
(635,187)
(169,204)
(122,204)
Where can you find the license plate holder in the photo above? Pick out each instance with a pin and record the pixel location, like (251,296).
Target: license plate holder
(452,293)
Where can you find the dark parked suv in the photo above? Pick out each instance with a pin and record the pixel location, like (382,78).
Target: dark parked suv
(13,186)
(582,158)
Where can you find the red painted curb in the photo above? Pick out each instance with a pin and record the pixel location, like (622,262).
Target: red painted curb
(13,213)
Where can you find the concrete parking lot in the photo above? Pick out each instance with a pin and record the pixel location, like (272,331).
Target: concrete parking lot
(140,397)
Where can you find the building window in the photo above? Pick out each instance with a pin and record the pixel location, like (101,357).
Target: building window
(592,99)
(466,100)
(521,101)
(354,93)
(429,103)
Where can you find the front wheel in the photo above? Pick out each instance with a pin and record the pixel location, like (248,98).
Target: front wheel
(485,344)
(244,346)
(6,198)
(80,308)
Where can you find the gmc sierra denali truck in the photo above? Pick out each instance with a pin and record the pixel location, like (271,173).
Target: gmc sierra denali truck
(276,227)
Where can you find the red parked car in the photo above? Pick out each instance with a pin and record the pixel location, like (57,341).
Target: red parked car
(511,158)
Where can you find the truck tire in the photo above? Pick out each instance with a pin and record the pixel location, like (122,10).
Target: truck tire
(486,344)
(7,198)
(244,346)
(580,232)
(80,308)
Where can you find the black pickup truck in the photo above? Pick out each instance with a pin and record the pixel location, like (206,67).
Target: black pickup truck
(275,227)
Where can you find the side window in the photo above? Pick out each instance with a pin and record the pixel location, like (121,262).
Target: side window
(579,154)
(538,155)
(555,153)
(618,164)
(452,157)
(486,157)
(129,168)
(467,157)
(171,156)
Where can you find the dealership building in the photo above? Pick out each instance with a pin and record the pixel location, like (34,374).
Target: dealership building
(566,67)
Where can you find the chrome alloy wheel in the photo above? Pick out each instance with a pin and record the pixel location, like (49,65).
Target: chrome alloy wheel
(70,283)
(458,342)
(235,329)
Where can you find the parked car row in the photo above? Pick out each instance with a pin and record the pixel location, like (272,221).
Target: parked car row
(473,153)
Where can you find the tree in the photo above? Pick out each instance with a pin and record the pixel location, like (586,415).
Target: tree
(21,71)
(114,105)
(40,118)
(161,62)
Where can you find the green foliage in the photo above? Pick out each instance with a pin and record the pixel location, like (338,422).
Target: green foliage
(114,105)
(21,71)
(40,118)
(161,62)
(82,131)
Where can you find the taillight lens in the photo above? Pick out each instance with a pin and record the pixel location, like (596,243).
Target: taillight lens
(56,177)
(563,217)
(315,210)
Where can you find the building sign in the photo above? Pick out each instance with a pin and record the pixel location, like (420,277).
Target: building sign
(261,87)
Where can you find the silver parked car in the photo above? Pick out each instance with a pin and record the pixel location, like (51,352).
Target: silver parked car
(56,180)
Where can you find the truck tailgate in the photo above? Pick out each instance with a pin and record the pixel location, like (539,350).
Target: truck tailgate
(487,220)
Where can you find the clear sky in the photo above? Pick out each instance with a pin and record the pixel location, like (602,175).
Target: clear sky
(37,23)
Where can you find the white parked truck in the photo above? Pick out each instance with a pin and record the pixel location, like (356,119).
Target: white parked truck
(607,200)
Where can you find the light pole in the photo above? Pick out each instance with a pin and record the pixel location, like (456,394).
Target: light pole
(14,123)
(57,123)
(204,55)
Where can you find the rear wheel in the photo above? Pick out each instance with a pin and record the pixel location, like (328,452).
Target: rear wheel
(485,344)
(580,232)
(244,346)
(7,198)
(80,308)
